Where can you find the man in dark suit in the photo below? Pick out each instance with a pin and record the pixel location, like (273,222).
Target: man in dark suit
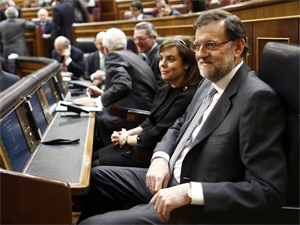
(70,56)
(10,64)
(13,33)
(62,20)
(224,156)
(165,9)
(44,23)
(7,79)
(145,39)
(136,9)
(129,83)
(96,62)
(4,5)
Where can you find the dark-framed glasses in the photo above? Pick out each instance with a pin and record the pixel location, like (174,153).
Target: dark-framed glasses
(208,46)
(141,38)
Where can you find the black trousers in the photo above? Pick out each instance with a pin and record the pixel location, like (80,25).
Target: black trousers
(111,188)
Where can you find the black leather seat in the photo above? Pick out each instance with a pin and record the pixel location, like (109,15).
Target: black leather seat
(279,67)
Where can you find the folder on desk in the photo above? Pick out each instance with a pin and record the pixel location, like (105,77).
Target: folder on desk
(62,107)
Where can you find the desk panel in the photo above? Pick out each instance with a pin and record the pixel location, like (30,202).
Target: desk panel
(70,163)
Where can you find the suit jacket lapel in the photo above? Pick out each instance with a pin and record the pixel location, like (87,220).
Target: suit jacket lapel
(223,106)
(200,95)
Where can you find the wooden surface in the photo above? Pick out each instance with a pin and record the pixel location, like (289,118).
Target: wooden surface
(29,199)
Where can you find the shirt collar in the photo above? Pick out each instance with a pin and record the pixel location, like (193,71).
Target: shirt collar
(100,55)
(221,84)
(153,47)
(139,17)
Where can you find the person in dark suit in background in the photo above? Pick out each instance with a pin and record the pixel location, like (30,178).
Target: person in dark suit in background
(129,82)
(13,33)
(62,20)
(10,64)
(7,79)
(179,69)
(165,9)
(44,23)
(81,14)
(220,156)
(136,9)
(4,5)
(70,57)
(96,62)
(194,5)
(145,39)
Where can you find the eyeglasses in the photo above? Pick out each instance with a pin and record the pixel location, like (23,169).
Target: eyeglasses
(141,38)
(208,46)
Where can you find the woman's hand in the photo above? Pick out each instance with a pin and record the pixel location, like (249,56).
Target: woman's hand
(124,133)
(115,137)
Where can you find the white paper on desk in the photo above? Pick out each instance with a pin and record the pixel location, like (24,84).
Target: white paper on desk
(61,108)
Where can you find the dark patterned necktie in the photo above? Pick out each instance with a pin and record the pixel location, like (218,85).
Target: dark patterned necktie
(186,139)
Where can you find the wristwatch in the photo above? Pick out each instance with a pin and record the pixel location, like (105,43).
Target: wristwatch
(124,142)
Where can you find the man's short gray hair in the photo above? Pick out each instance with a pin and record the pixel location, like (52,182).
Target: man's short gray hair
(100,35)
(114,39)
(11,12)
(4,2)
(148,26)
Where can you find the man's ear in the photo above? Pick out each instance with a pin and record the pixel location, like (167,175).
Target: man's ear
(105,50)
(239,47)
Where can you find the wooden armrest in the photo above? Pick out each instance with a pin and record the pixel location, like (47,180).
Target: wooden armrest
(27,199)
(114,110)
(131,115)
(183,213)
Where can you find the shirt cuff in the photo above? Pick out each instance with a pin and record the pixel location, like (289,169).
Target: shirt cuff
(98,102)
(68,61)
(197,193)
(161,154)
(92,77)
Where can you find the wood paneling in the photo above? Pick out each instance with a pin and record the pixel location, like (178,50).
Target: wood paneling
(276,30)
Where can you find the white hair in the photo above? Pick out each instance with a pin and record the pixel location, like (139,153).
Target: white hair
(43,11)
(114,39)
(11,12)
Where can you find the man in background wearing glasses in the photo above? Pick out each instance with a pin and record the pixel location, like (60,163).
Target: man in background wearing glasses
(145,39)
(223,157)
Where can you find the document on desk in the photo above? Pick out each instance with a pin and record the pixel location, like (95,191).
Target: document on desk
(61,107)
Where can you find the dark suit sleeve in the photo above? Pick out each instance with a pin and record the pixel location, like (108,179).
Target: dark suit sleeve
(56,23)
(29,25)
(48,27)
(261,125)
(153,135)
(77,65)
(167,144)
(119,79)
(89,65)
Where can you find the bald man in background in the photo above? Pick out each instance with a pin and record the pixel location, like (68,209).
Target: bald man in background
(70,57)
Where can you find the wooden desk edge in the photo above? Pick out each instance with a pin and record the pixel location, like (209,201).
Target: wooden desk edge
(83,187)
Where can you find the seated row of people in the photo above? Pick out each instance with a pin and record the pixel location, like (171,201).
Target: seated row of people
(164,8)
